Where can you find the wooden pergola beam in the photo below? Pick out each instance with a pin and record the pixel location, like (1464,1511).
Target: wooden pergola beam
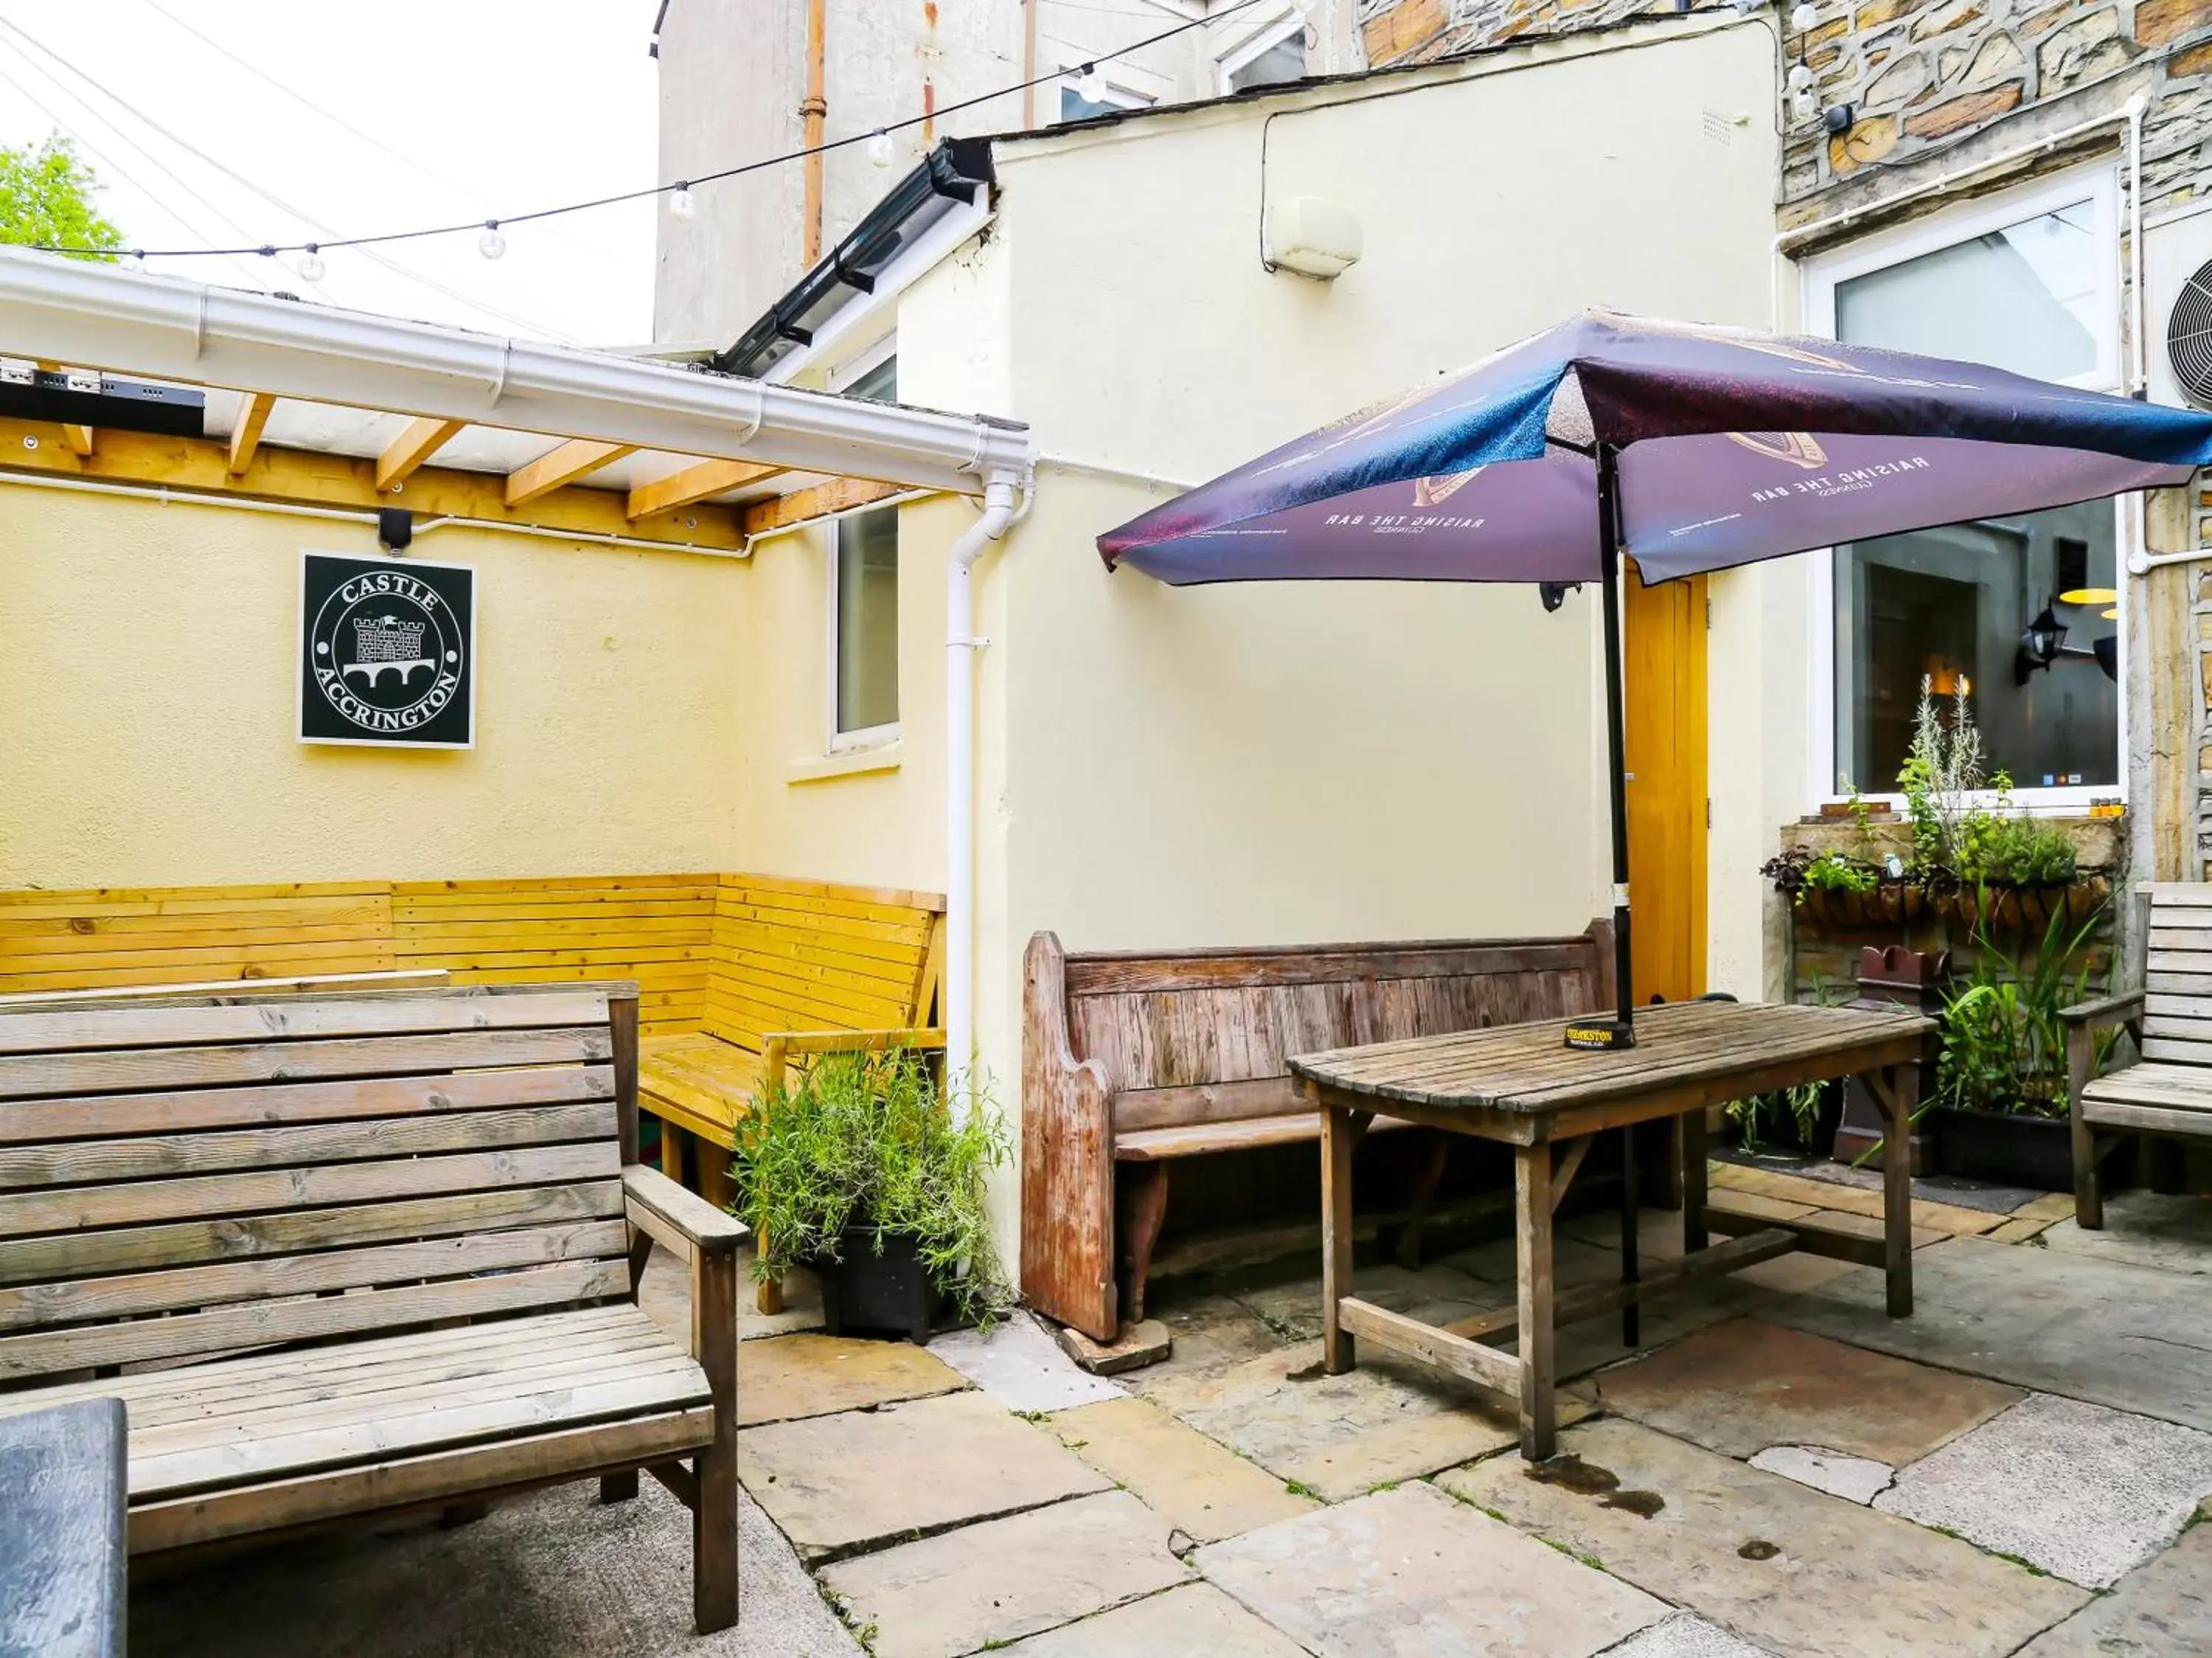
(246,436)
(201,465)
(79,439)
(839,495)
(421,440)
(563,464)
(694,483)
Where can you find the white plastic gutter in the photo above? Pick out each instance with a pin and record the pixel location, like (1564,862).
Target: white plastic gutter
(100,316)
(960,647)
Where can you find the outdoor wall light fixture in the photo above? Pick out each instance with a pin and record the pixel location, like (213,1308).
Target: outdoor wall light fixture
(1837,119)
(1554,594)
(2107,652)
(2040,645)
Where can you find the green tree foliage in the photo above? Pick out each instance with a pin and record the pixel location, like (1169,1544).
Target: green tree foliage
(48,199)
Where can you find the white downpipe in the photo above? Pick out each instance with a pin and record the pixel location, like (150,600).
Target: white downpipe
(960,646)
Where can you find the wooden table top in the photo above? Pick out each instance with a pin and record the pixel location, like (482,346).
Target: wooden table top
(1529,1069)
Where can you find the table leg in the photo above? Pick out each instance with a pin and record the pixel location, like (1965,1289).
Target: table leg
(1692,1140)
(1896,1091)
(1632,1324)
(1338,1136)
(1532,1254)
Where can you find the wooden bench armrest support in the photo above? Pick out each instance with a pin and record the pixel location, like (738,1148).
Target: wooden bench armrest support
(1067,1158)
(680,1219)
(776,1051)
(2104,1011)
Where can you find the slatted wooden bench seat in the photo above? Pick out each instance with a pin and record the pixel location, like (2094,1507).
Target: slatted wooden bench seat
(1133,1061)
(797,968)
(381,1251)
(2167,1091)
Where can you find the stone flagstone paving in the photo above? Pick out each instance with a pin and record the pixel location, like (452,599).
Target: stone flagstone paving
(1789,1568)
(2083,1492)
(986,1494)
(1411,1574)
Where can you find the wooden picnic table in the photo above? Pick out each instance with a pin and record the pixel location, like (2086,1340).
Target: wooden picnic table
(1522,1085)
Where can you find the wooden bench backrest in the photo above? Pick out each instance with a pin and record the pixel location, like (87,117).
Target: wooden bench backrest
(658,930)
(2178,975)
(181,1178)
(1205,1036)
(808,955)
(115,937)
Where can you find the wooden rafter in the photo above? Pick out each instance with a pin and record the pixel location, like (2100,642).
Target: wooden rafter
(420,440)
(246,436)
(696,483)
(563,464)
(79,439)
(201,465)
(839,495)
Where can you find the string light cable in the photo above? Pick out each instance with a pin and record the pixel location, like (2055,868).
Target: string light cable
(492,243)
(310,250)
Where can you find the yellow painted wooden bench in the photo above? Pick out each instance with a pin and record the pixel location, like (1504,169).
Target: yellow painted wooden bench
(381,1251)
(798,968)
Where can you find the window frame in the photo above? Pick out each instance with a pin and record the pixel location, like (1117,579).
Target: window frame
(854,369)
(1262,40)
(1819,276)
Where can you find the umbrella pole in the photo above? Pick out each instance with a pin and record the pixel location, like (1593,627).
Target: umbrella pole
(1620,1032)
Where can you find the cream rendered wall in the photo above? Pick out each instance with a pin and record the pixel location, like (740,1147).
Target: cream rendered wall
(147,666)
(1257,765)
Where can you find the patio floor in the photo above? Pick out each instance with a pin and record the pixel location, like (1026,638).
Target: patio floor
(1781,1470)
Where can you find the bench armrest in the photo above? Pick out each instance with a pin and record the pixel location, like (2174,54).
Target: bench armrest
(2104,1010)
(780,1046)
(681,1220)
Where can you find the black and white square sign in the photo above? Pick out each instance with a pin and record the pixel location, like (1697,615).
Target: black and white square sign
(387,652)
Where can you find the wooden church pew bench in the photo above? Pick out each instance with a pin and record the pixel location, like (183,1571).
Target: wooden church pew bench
(1132,1062)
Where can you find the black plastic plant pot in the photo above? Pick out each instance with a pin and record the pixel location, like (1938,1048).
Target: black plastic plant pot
(887,1295)
(2004,1147)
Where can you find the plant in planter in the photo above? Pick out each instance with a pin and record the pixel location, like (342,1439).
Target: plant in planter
(858,1170)
(2000,1103)
(1798,1121)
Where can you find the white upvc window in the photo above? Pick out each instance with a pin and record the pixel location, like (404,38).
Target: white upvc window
(863,599)
(1271,54)
(1124,86)
(2027,280)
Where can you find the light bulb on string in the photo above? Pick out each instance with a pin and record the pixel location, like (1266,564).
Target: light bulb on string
(1803,106)
(311,267)
(134,260)
(680,204)
(880,151)
(1800,77)
(1090,85)
(1803,17)
(491,244)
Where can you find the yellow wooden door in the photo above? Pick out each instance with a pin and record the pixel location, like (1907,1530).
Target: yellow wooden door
(1665,645)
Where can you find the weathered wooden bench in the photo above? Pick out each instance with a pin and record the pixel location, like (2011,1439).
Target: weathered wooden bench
(2167,1091)
(1133,1061)
(798,968)
(382,1251)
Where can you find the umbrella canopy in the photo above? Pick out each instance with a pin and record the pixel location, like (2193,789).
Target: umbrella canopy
(1690,447)
(1732,445)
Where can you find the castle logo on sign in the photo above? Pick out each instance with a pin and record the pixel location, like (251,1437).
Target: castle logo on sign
(387,652)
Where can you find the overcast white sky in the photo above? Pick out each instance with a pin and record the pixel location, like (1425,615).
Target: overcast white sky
(460,110)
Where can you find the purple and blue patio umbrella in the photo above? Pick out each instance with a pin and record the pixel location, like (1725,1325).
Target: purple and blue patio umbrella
(1688,448)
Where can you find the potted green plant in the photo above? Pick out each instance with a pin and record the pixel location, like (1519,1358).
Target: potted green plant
(1792,1122)
(2001,1105)
(1839,891)
(858,1170)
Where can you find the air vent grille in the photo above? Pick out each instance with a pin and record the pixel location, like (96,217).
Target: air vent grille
(2189,336)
